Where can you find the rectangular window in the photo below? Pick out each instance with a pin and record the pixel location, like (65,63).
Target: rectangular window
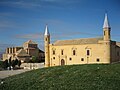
(53,52)
(97,59)
(88,52)
(53,57)
(70,58)
(82,59)
(104,33)
(108,33)
(74,52)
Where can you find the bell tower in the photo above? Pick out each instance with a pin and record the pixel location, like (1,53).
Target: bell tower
(107,40)
(47,42)
(106,29)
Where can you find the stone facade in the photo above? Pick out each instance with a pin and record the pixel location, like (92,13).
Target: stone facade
(82,51)
(24,53)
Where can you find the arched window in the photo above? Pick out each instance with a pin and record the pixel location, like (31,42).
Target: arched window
(104,33)
(53,52)
(74,52)
(88,52)
(61,52)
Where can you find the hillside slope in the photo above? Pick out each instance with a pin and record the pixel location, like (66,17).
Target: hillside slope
(74,77)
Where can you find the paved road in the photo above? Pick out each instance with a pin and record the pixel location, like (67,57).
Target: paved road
(7,73)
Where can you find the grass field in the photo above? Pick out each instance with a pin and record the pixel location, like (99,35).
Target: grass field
(74,77)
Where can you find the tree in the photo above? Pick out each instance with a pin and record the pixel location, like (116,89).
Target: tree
(5,64)
(9,63)
(19,63)
(1,64)
(34,59)
(13,63)
(16,61)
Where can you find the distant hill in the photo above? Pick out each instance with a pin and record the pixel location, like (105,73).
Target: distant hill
(74,77)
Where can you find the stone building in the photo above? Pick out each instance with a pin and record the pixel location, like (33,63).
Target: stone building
(24,53)
(82,51)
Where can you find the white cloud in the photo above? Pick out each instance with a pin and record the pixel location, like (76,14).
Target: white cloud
(39,3)
(21,4)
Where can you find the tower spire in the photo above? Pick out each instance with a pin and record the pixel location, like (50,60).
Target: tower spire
(46,30)
(106,23)
(106,29)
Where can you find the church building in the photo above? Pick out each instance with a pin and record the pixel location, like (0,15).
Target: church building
(82,51)
(24,53)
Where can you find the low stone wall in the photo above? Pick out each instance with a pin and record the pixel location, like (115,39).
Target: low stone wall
(32,65)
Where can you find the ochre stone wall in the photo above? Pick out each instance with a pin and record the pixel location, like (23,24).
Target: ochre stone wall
(96,54)
(103,52)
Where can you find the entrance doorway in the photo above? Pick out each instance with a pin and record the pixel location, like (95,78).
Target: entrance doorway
(62,62)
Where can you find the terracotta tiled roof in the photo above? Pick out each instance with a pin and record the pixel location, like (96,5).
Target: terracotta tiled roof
(22,52)
(30,42)
(78,41)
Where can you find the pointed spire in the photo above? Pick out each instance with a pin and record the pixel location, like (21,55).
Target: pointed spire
(106,23)
(46,30)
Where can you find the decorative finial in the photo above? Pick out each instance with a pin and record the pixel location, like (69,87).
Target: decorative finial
(46,30)
(106,23)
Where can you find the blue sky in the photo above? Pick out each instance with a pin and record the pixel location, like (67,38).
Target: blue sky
(22,20)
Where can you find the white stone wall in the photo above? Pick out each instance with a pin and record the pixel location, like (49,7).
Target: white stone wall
(32,65)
